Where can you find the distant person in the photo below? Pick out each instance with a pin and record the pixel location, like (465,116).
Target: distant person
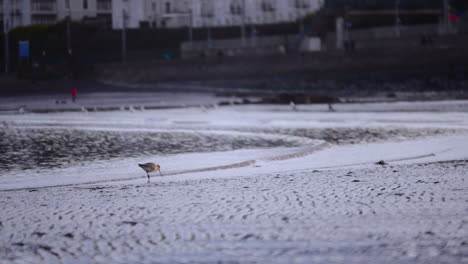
(430,40)
(35,71)
(293,106)
(427,40)
(253,36)
(349,46)
(424,40)
(346,45)
(74,92)
(281,49)
(352,45)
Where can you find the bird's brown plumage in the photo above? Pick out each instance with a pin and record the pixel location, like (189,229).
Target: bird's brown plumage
(150,167)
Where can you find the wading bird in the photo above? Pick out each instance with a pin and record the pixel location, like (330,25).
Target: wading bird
(150,167)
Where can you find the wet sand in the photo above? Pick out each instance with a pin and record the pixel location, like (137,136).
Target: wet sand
(335,205)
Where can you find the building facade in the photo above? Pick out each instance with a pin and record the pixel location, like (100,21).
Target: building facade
(208,13)
(155,13)
(15,13)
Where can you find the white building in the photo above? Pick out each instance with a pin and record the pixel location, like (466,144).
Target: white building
(156,13)
(43,12)
(14,15)
(208,13)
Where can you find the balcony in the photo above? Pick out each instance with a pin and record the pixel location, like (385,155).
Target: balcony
(207,8)
(207,12)
(15,12)
(301,4)
(181,10)
(14,7)
(235,9)
(267,7)
(104,6)
(43,7)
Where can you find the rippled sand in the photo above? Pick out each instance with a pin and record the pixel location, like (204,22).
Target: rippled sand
(390,214)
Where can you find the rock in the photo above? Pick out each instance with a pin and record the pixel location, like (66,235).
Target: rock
(382,162)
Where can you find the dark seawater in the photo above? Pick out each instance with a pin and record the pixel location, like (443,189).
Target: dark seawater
(35,148)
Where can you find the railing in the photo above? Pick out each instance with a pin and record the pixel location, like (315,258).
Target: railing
(43,20)
(258,45)
(389,32)
(43,7)
(383,4)
(181,10)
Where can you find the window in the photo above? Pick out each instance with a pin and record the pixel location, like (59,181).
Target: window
(154,6)
(168,7)
(43,5)
(67,4)
(85,4)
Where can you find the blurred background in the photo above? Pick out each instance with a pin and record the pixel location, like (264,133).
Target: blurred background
(246,41)
(292,131)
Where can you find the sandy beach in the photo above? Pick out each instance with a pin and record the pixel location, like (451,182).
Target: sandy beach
(258,184)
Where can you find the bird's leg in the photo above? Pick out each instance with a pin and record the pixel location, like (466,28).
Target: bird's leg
(148,176)
(160,172)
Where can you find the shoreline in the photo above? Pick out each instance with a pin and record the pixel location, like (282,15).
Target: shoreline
(137,99)
(345,130)
(397,194)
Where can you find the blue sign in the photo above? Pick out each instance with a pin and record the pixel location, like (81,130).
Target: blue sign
(24,49)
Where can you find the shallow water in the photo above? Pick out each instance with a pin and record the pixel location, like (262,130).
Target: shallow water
(346,135)
(28,148)
(45,147)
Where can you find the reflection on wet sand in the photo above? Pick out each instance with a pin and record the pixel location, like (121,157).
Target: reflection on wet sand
(29,148)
